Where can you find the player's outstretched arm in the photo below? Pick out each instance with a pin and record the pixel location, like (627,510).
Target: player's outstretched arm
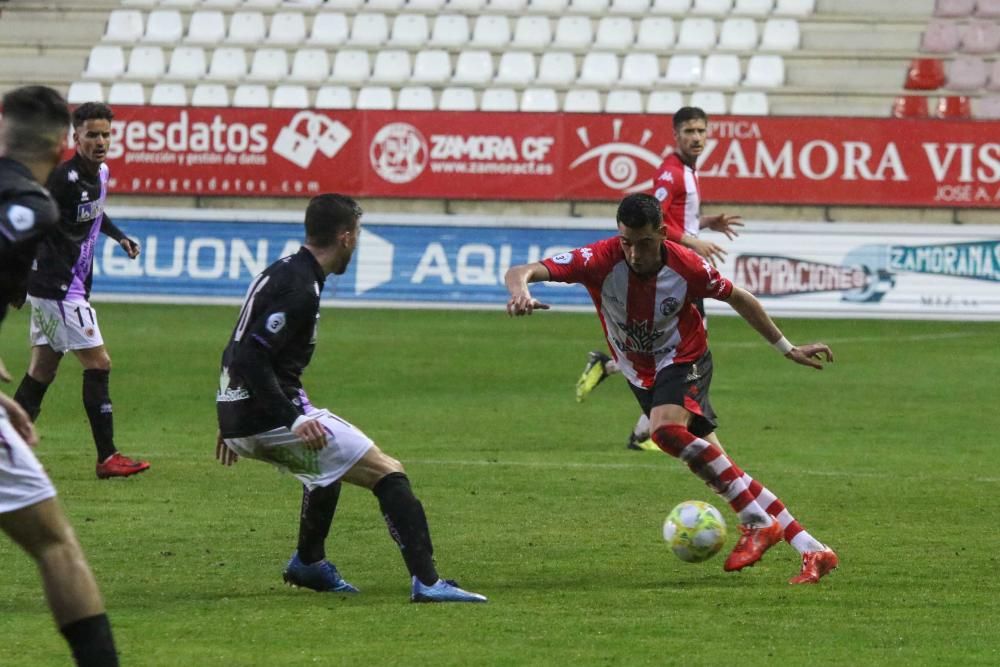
(751,310)
(517,278)
(722,223)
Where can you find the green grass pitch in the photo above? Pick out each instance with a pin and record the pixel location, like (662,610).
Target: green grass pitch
(891,455)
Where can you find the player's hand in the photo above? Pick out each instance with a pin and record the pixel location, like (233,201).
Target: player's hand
(713,252)
(524,304)
(130,247)
(223,454)
(725,224)
(813,355)
(311,432)
(4,373)
(19,419)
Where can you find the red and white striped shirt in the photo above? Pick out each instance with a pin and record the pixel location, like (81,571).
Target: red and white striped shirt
(649,322)
(676,187)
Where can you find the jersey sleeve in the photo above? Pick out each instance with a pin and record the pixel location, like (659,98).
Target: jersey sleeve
(704,280)
(24,217)
(580,265)
(665,189)
(272,327)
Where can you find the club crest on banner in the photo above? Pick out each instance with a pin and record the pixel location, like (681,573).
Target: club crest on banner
(398,152)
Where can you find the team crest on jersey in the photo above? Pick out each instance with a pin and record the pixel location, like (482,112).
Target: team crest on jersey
(640,336)
(587,254)
(563,258)
(84,196)
(660,194)
(669,306)
(72,176)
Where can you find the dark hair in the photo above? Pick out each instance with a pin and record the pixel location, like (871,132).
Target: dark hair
(640,210)
(92,111)
(328,215)
(35,119)
(684,114)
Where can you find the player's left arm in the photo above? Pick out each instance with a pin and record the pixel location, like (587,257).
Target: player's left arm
(109,228)
(516,279)
(751,310)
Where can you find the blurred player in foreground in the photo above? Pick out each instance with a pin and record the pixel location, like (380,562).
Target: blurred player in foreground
(644,287)
(32,137)
(264,412)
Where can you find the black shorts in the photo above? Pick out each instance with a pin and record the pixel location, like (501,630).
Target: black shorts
(685,385)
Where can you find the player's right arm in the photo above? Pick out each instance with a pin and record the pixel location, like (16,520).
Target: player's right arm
(516,279)
(19,419)
(24,217)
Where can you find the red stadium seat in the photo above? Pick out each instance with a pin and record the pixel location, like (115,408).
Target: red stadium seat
(910,106)
(956,8)
(925,74)
(954,107)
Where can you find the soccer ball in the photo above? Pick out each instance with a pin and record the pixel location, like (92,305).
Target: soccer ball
(695,531)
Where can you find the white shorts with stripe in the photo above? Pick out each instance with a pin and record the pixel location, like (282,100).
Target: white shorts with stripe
(345,445)
(23,482)
(64,325)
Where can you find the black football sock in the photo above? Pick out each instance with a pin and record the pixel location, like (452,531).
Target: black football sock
(29,395)
(404,516)
(97,403)
(91,641)
(318,507)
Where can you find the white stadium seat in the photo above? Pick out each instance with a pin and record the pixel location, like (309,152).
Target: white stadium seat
(432,66)
(105,62)
(261,4)
(780,35)
(637,7)
(614,33)
(683,70)
(246,28)
(549,7)
(664,101)
(749,103)
(163,26)
(206,27)
(126,93)
(124,26)
(187,63)
(290,96)
(392,67)
(490,32)
(795,7)
(696,33)
(374,97)
(457,99)
(711,102)
(450,31)
(473,68)
(556,68)
(591,7)
(409,30)
(267,65)
(656,33)
(346,6)
(671,6)
(369,29)
(573,32)
(539,99)
(599,69)
(532,32)
(765,71)
(329,29)
(425,6)
(507,6)
(623,101)
(310,66)
(251,95)
(516,68)
(146,62)
(498,99)
(351,66)
(169,95)
(228,63)
(738,34)
(334,97)
(721,70)
(717,7)
(287,28)
(184,4)
(470,7)
(415,98)
(384,5)
(640,70)
(84,91)
(753,7)
(582,100)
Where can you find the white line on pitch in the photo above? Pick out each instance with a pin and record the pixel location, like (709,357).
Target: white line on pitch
(866,339)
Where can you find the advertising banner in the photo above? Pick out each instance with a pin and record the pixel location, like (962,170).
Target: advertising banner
(805,270)
(549,156)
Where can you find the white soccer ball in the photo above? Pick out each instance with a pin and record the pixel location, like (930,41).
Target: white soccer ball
(695,531)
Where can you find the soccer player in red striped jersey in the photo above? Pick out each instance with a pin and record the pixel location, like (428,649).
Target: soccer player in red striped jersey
(644,287)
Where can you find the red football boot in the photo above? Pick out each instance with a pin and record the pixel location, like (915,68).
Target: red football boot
(815,564)
(752,545)
(118,465)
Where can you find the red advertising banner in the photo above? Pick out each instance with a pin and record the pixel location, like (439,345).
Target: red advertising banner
(540,156)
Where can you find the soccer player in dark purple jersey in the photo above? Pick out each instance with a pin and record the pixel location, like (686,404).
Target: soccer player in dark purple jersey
(264,412)
(62,318)
(32,137)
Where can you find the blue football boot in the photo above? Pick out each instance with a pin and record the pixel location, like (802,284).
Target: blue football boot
(443,590)
(322,576)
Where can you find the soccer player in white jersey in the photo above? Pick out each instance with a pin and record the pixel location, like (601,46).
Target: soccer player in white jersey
(644,287)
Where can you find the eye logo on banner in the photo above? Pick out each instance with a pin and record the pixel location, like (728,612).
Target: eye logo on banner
(398,152)
(320,134)
(618,164)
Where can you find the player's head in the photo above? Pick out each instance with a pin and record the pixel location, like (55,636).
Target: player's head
(92,131)
(640,232)
(333,224)
(33,128)
(690,132)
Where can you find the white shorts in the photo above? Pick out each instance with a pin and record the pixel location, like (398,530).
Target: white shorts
(23,482)
(345,445)
(64,325)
